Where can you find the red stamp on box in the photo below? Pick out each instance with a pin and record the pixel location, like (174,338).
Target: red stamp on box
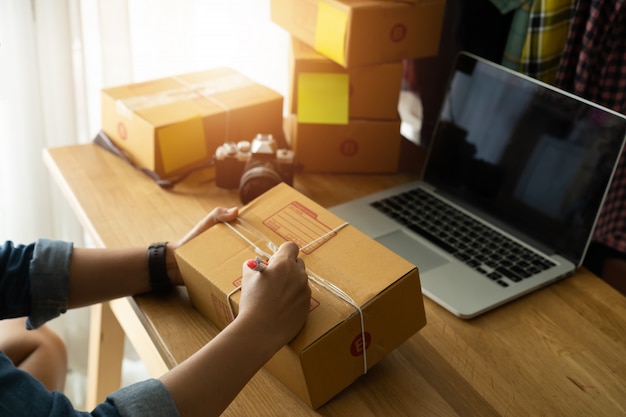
(121,130)
(313,304)
(397,33)
(357,347)
(349,147)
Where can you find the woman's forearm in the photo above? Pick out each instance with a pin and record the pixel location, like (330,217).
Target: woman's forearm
(272,309)
(98,275)
(207,382)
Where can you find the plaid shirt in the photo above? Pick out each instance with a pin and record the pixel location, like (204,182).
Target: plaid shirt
(538,34)
(594,67)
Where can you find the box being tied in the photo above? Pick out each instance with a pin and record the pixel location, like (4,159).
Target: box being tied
(365,299)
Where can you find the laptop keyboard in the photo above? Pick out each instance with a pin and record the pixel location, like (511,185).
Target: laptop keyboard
(480,247)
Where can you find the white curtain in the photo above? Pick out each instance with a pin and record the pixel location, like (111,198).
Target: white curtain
(36,110)
(56,56)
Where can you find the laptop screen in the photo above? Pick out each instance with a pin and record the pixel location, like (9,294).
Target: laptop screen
(528,155)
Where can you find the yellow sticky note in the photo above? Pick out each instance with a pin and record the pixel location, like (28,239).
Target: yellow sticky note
(323,98)
(330,32)
(182,144)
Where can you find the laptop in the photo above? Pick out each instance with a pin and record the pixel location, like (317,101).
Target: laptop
(510,192)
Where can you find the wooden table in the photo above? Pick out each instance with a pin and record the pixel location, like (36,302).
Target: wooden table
(560,351)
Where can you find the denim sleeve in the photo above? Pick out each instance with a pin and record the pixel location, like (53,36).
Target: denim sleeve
(49,281)
(146,398)
(23,395)
(14,279)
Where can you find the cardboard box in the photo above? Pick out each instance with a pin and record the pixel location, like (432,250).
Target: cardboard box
(372,92)
(363,32)
(361,146)
(173,124)
(328,354)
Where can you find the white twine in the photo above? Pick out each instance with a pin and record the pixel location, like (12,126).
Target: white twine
(320,281)
(258,250)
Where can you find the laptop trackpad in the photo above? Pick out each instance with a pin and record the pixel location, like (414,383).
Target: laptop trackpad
(412,250)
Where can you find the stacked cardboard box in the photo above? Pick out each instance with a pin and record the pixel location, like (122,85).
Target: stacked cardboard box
(346,75)
(363,32)
(171,125)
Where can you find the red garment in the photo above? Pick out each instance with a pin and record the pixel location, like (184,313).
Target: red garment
(594,67)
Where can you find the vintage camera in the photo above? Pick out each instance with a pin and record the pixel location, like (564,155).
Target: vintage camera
(253,167)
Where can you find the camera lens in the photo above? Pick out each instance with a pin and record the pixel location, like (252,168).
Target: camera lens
(256,180)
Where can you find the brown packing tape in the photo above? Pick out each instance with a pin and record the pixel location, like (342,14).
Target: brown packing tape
(187,91)
(208,89)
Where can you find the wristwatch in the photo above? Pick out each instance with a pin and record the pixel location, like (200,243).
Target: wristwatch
(157,268)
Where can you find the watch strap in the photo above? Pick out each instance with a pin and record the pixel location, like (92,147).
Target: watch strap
(157,268)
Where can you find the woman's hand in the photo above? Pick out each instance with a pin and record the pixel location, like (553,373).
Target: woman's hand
(275,302)
(217,215)
(272,309)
